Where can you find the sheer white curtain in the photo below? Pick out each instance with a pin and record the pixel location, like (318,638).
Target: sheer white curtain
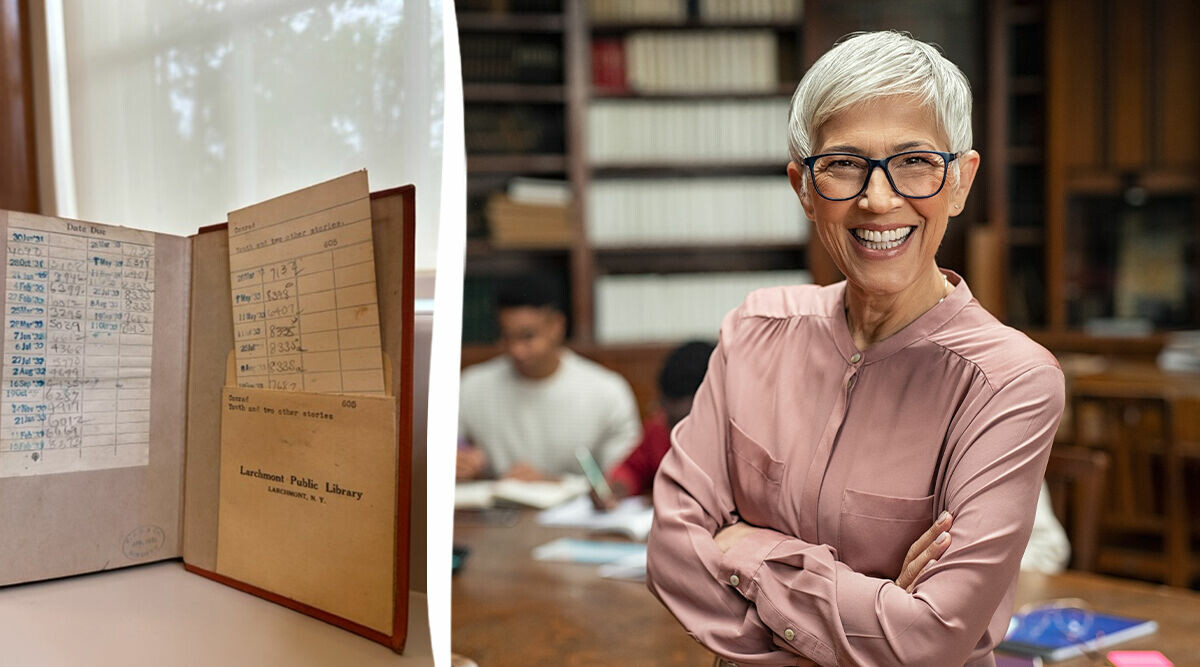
(167,114)
(182,110)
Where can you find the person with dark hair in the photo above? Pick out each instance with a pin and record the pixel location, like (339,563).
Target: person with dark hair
(525,413)
(681,375)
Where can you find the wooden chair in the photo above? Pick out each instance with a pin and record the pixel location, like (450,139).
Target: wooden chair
(1076,478)
(1145,528)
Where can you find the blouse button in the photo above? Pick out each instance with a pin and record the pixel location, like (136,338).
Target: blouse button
(789,634)
(733,580)
(856,358)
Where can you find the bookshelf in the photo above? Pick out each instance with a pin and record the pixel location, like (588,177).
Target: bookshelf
(1056,121)
(662,213)
(1011,242)
(1122,164)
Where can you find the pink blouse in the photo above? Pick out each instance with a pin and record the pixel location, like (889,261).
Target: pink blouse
(842,459)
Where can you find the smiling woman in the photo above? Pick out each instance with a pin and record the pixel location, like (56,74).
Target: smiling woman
(857,479)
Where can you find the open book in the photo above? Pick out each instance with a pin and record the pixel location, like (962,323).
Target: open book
(482,494)
(169,396)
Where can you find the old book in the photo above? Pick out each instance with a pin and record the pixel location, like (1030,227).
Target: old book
(126,438)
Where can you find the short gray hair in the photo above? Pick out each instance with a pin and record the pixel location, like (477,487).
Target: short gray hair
(869,65)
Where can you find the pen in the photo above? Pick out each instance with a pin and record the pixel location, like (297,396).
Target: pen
(594,475)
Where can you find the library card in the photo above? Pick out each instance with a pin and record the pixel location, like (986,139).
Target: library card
(78,336)
(305,308)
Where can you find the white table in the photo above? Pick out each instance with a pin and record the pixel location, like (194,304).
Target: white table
(162,615)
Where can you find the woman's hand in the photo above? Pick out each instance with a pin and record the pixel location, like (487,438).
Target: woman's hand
(731,535)
(925,551)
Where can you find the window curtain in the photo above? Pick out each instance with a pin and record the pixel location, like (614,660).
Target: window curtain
(182,110)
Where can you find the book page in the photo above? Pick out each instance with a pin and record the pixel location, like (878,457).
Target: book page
(78,332)
(305,306)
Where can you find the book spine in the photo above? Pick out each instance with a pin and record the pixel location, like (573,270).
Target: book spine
(695,211)
(657,131)
(642,308)
(722,61)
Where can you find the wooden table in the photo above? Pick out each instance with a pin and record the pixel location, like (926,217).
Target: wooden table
(1177,610)
(508,609)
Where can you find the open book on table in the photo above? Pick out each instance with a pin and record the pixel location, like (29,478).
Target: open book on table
(482,494)
(240,398)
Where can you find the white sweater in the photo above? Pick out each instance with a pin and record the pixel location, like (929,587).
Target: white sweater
(541,422)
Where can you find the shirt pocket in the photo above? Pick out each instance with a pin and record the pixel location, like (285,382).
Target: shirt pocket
(876,531)
(754,477)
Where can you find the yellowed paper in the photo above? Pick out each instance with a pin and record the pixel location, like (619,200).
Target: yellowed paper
(308,499)
(305,305)
(78,334)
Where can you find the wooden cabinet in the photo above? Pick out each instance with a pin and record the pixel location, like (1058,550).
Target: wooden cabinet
(1123,163)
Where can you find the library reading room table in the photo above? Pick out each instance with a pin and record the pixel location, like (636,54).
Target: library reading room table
(509,609)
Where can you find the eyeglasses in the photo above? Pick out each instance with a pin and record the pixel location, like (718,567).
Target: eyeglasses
(913,174)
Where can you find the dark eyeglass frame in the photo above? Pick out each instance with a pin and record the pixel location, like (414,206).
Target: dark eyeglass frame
(882,164)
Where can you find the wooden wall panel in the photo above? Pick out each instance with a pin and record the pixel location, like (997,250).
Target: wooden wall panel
(1078,87)
(1177,135)
(1128,84)
(18,160)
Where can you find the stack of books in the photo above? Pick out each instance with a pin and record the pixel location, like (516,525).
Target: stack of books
(532,214)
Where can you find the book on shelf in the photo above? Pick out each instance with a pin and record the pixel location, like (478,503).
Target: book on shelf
(697,211)
(678,11)
(721,131)
(638,308)
(512,129)
(608,65)
(197,397)
(711,61)
(751,10)
(1181,353)
(1057,633)
(517,59)
(542,191)
(515,225)
(603,11)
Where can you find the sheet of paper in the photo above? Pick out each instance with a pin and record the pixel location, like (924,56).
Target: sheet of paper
(594,552)
(631,568)
(631,517)
(305,306)
(78,332)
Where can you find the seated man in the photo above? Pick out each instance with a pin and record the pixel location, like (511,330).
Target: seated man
(678,381)
(525,413)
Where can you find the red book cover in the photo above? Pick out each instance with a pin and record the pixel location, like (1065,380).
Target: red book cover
(608,65)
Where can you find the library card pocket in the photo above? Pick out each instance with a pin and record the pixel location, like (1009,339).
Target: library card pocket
(308,499)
